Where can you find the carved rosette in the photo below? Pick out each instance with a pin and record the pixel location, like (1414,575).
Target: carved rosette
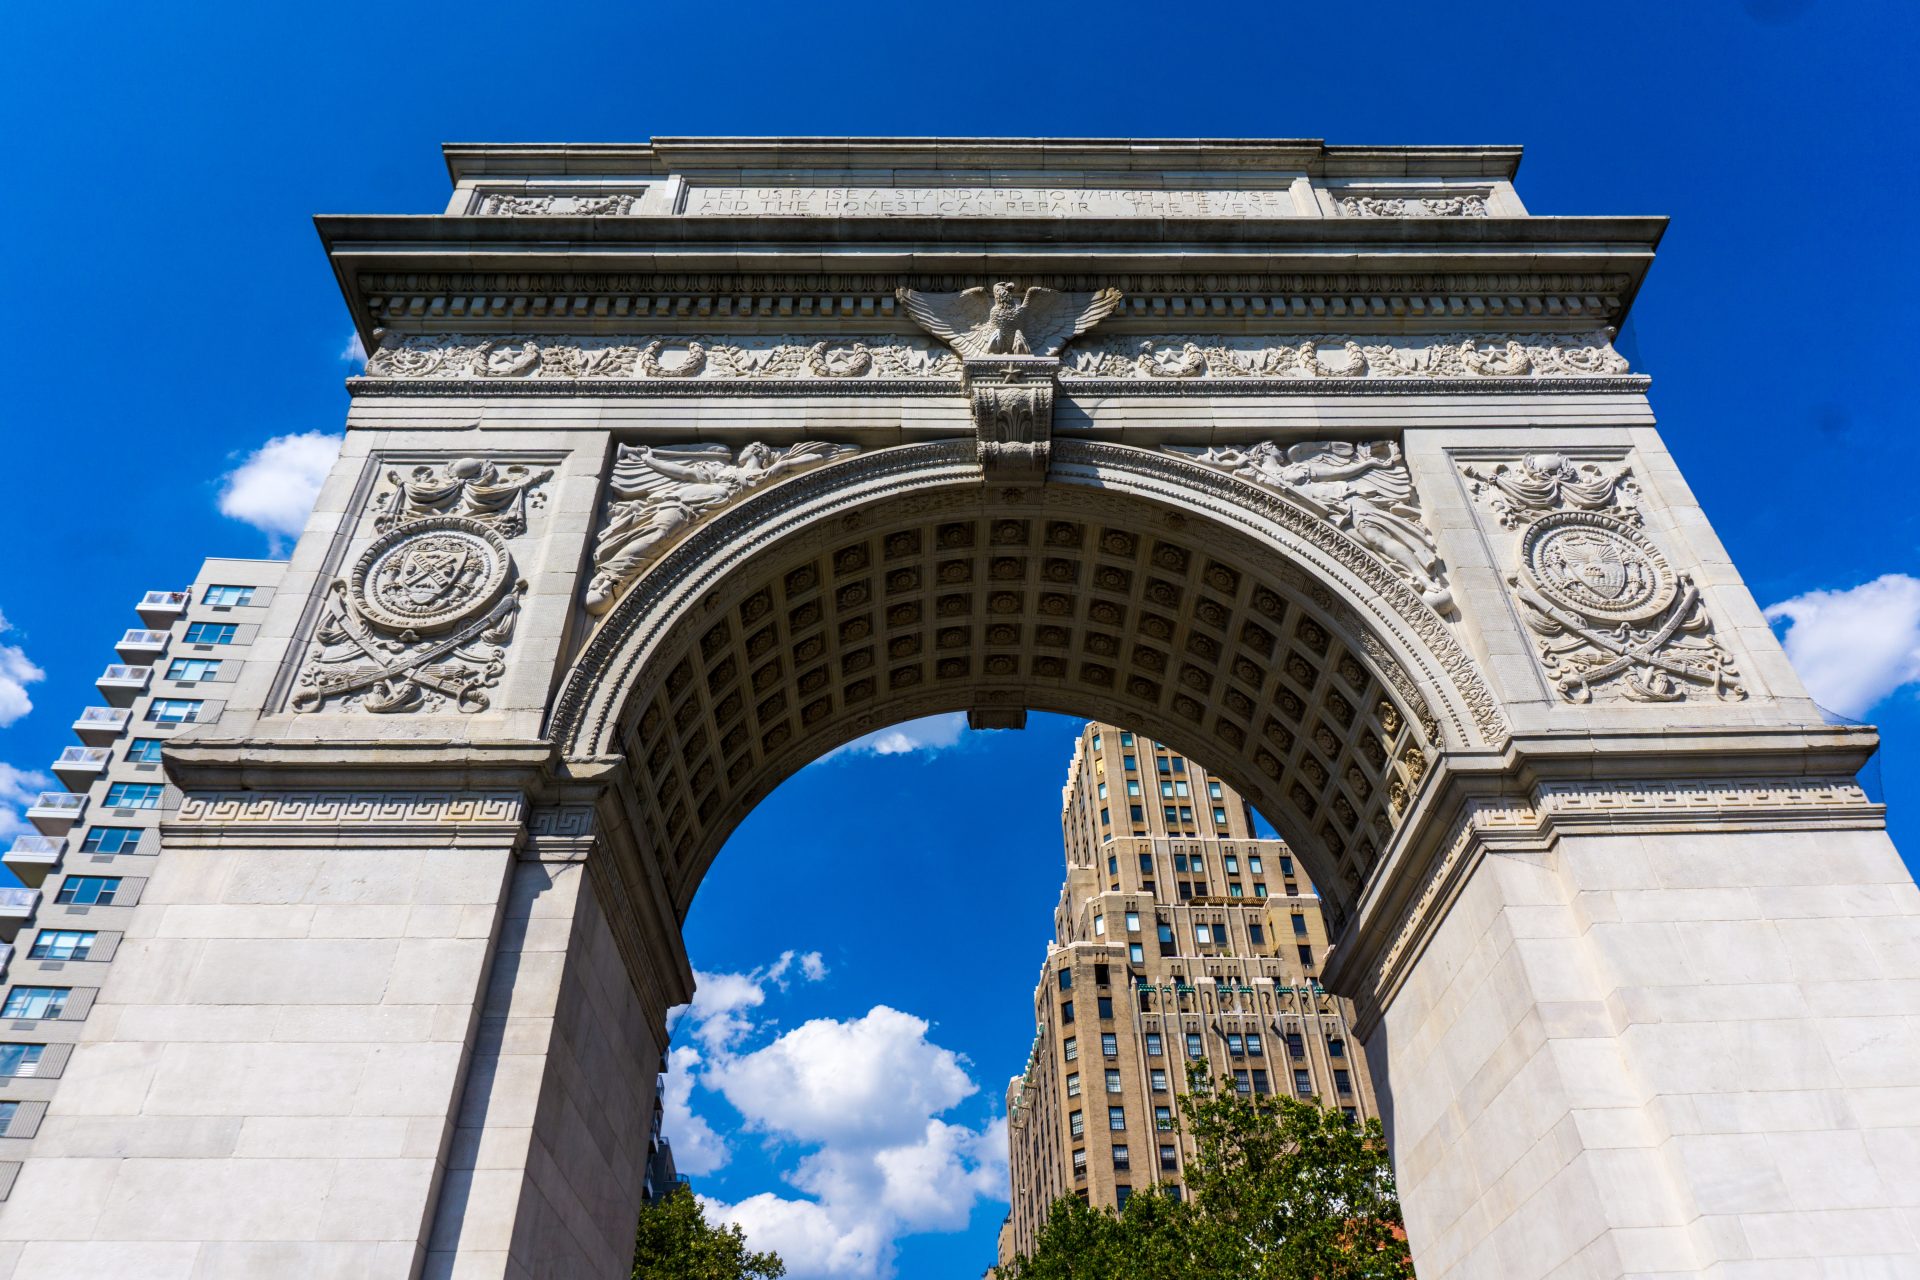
(423,619)
(1612,618)
(1012,399)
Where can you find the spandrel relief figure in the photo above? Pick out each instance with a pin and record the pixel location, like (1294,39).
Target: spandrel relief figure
(660,491)
(472,487)
(1364,489)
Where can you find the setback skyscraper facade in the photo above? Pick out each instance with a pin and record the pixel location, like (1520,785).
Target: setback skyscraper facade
(1181,937)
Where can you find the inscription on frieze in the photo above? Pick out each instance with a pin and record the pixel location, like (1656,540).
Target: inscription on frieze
(986,202)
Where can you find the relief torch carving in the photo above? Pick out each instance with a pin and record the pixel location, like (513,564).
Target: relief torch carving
(661,491)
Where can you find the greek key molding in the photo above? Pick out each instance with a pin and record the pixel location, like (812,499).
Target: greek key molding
(349,808)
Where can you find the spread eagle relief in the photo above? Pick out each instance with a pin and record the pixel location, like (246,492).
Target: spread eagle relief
(1003,320)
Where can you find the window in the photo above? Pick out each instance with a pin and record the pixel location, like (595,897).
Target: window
(1233,865)
(1109,1045)
(1066,1011)
(1128,761)
(1122,1159)
(1120,1197)
(1254,1048)
(174,710)
(1291,889)
(1253,865)
(1133,786)
(1103,791)
(1179,862)
(1260,1084)
(7,1111)
(134,795)
(35,1002)
(1349,1114)
(1256,933)
(1133,922)
(1213,791)
(1236,1044)
(1166,790)
(1099,926)
(226,595)
(1117,1119)
(1105,1004)
(193,669)
(1153,1044)
(211,633)
(1241,1082)
(1076,1124)
(1296,1045)
(1096,742)
(1186,813)
(88,891)
(1138,815)
(1180,789)
(1306,956)
(1136,954)
(1195,1049)
(1169,1156)
(1080,1163)
(1066,979)
(61,944)
(144,751)
(1113,1079)
(1157,1079)
(111,840)
(1163,1119)
(1302,1085)
(1166,932)
(1113,864)
(1219,817)
(1336,1048)
(1342,1081)
(1179,764)
(1203,934)
(1146,863)
(1126,739)
(1259,890)
(1105,821)
(20,1059)
(1073,1084)
(1071,1048)
(1165,765)
(1171,814)
(1299,926)
(1234,890)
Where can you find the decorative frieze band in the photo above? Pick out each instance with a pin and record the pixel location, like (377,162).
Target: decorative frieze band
(349,808)
(679,359)
(1334,356)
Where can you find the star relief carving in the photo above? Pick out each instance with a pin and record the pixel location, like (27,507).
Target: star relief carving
(1004,320)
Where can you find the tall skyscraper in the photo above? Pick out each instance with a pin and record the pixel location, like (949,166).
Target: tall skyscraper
(1180,937)
(97,842)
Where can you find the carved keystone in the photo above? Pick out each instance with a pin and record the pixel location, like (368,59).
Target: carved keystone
(997,718)
(1012,399)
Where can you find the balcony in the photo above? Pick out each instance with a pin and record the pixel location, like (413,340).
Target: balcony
(32,857)
(55,812)
(98,726)
(16,908)
(120,685)
(6,963)
(77,767)
(142,646)
(160,608)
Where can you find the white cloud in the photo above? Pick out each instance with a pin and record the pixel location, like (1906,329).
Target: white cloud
(355,349)
(809,1237)
(17,671)
(1852,648)
(274,488)
(812,967)
(874,1080)
(18,787)
(697,1149)
(932,734)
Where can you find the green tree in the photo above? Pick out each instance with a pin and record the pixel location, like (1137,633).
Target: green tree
(676,1242)
(1277,1190)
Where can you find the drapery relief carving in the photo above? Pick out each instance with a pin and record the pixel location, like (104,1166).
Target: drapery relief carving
(424,617)
(1336,356)
(1363,489)
(702,357)
(1612,618)
(658,492)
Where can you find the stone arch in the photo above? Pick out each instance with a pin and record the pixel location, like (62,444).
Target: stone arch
(1135,587)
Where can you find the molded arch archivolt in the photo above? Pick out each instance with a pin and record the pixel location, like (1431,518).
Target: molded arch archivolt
(1134,587)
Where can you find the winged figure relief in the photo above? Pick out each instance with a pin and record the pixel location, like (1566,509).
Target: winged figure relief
(660,491)
(1364,489)
(1003,320)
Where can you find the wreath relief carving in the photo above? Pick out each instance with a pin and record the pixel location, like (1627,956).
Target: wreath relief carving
(1612,618)
(424,617)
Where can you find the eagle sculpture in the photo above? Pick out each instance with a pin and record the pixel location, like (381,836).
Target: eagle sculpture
(1003,321)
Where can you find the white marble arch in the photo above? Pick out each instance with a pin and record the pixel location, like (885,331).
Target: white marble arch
(1637,966)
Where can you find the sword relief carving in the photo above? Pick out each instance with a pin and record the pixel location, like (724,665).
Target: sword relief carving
(424,618)
(1611,616)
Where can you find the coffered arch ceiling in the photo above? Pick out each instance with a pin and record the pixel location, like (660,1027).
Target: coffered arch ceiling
(1133,587)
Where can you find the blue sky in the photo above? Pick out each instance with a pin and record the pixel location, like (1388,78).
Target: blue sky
(169,312)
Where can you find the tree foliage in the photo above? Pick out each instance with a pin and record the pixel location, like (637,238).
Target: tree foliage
(676,1242)
(1277,1190)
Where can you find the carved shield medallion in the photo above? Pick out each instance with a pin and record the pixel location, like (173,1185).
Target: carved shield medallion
(431,575)
(1596,565)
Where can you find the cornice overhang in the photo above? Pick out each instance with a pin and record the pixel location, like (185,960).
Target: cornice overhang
(577,256)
